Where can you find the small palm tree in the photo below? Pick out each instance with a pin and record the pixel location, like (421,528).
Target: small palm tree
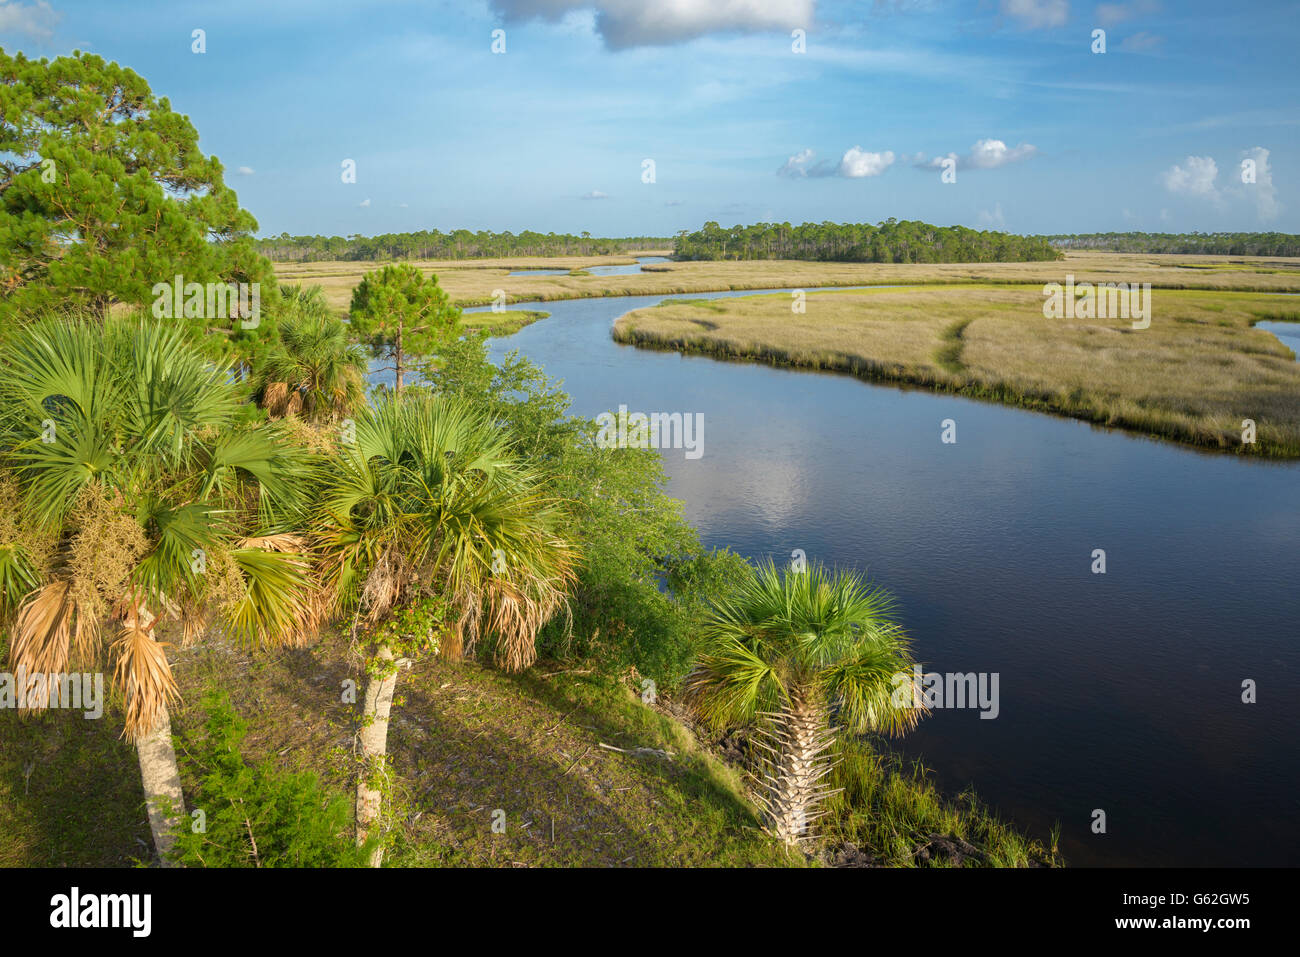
(314,370)
(132,499)
(794,651)
(429,501)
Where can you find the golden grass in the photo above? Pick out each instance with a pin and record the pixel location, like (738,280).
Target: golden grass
(473,282)
(1193,376)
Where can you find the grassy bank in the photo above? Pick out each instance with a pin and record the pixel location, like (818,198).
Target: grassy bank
(502,323)
(1193,376)
(472,284)
(466,741)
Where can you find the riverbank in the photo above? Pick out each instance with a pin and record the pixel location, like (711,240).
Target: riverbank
(1194,376)
(478,283)
(555,748)
(502,323)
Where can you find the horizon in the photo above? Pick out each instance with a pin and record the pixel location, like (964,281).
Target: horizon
(553,134)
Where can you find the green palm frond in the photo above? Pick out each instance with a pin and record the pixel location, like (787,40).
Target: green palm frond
(831,635)
(275,607)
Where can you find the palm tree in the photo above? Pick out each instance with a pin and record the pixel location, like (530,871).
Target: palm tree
(430,501)
(314,370)
(134,501)
(798,650)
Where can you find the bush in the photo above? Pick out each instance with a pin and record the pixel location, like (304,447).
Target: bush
(257,815)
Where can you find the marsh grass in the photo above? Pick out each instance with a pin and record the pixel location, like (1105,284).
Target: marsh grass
(1193,376)
(472,282)
(890,807)
(501,324)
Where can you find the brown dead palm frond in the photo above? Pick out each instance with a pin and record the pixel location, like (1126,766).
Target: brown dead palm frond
(145,678)
(383,586)
(275,399)
(41,632)
(85,635)
(281,542)
(195,620)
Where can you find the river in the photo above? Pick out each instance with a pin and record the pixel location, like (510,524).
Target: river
(1118,692)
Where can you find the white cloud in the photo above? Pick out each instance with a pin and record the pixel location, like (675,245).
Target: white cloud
(1033,14)
(364,203)
(1262,190)
(985,154)
(1195,179)
(993,219)
(633,23)
(857,163)
(1109,14)
(594,194)
(34,19)
(244,171)
(1141,42)
(675,202)
(796,165)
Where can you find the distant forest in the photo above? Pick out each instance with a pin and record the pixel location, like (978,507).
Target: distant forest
(1218,244)
(889,242)
(892,241)
(459,244)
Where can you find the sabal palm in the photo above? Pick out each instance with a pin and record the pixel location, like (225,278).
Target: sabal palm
(427,498)
(795,650)
(137,502)
(315,369)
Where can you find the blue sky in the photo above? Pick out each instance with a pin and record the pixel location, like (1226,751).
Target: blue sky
(1047,135)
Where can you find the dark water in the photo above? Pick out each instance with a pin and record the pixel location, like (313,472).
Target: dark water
(1119,692)
(629,270)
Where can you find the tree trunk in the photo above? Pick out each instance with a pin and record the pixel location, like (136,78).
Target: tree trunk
(162,780)
(795,742)
(397,355)
(374,748)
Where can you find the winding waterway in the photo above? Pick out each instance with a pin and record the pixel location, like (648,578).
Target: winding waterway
(1119,692)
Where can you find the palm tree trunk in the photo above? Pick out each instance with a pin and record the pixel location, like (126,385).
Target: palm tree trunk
(162,784)
(796,741)
(374,747)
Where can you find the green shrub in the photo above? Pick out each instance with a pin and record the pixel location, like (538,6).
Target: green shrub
(257,815)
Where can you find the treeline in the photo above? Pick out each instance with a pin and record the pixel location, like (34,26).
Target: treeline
(1219,244)
(458,244)
(889,242)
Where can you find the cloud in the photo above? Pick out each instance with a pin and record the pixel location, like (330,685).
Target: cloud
(1196,179)
(244,171)
(364,203)
(993,219)
(796,165)
(1262,190)
(1109,14)
(34,19)
(856,163)
(985,154)
(594,194)
(1141,42)
(675,202)
(634,23)
(1033,14)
